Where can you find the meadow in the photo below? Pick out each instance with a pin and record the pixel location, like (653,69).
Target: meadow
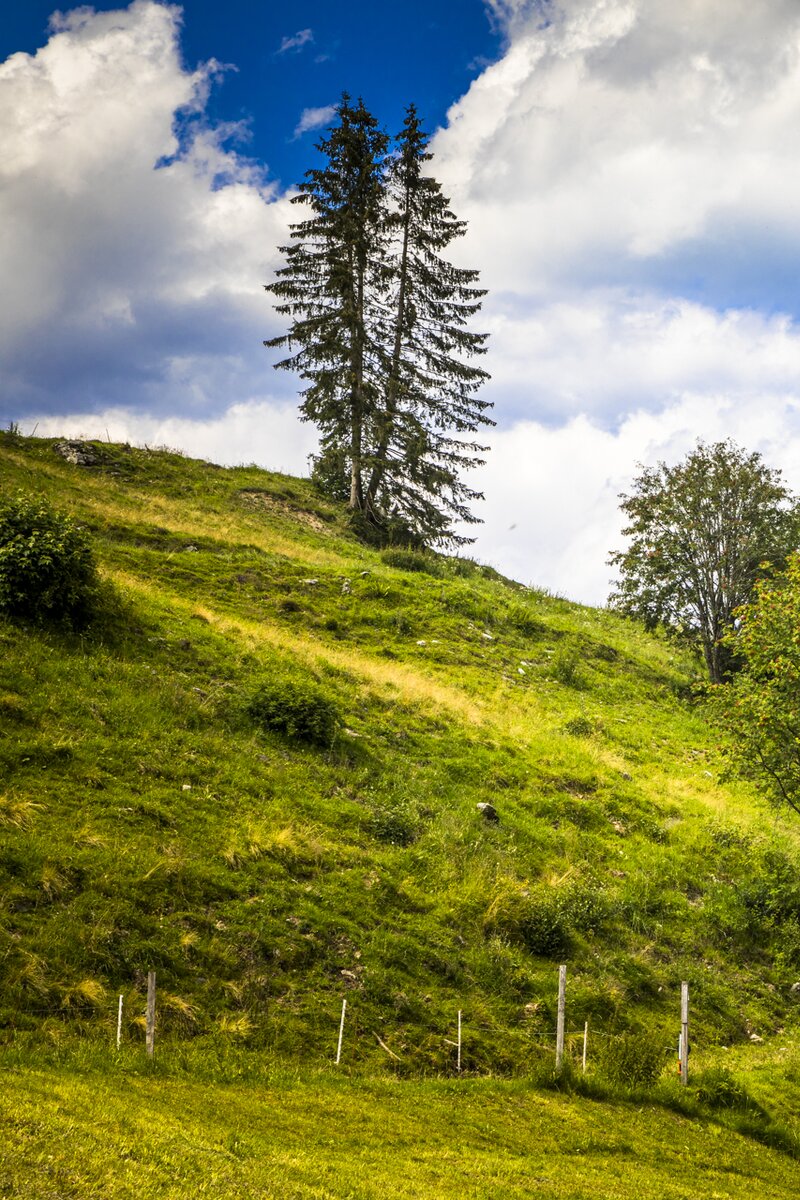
(156,814)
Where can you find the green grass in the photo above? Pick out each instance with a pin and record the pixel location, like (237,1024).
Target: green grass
(149,821)
(124,1132)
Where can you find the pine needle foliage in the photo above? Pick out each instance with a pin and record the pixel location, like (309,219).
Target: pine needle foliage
(380,320)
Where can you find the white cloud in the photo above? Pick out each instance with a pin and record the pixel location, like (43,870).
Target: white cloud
(617,135)
(633,196)
(296,41)
(552,508)
(314,118)
(127,283)
(264,431)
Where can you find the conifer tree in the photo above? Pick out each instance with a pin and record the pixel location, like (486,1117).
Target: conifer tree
(326,283)
(429,388)
(379,318)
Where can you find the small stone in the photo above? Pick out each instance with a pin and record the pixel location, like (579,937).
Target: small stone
(626,776)
(489,636)
(191,549)
(186,787)
(310,582)
(346,587)
(488,812)
(755,1038)
(795,988)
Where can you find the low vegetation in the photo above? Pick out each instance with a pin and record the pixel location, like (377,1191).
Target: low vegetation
(257,770)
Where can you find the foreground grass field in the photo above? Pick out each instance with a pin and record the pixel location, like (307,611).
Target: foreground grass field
(318,1136)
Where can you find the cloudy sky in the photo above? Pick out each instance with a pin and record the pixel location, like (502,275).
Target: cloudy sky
(627,168)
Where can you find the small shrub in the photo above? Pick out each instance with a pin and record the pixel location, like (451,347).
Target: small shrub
(633,1059)
(395,820)
(717,1088)
(296,707)
(520,617)
(533,917)
(566,662)
(411,560)
(579,727)
(47,568)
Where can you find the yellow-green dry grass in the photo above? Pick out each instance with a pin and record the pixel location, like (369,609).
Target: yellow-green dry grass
(317,1137)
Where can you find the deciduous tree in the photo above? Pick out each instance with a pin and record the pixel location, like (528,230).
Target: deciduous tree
(759,709)
(700,534)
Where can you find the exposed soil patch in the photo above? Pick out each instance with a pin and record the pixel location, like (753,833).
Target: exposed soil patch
(255,498)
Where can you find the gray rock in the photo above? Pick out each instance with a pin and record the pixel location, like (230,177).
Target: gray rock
(488,812)
(77,453)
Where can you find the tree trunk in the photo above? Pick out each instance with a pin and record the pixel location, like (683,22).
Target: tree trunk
(393,383)
(356,502)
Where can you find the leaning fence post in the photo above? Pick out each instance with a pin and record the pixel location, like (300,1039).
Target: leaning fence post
(341,1033)
(119,1022)
(150,1022)
(684,1043)
(562,993)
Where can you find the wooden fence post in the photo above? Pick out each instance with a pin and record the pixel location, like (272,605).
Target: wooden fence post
(150,1025)
(684,1033)
(341,1033)
(119,1022)
(458,1053)
(585,1043)
(562,994)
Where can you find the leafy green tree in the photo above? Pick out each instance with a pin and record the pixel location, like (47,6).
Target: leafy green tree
(379,318)
(759,709)
(701,534)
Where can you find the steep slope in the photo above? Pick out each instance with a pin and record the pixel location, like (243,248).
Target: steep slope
(148,821)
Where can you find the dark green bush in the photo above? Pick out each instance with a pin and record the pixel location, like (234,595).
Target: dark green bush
(633,1059)
(296,707)
(47,568)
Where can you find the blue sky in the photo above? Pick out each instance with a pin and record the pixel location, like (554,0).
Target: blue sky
(288,58)
(627,171)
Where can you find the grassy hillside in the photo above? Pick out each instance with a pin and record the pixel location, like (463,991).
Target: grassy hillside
(147,820)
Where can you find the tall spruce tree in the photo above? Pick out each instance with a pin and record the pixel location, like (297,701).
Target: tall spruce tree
(380,317)
(429,388)
(327,283)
